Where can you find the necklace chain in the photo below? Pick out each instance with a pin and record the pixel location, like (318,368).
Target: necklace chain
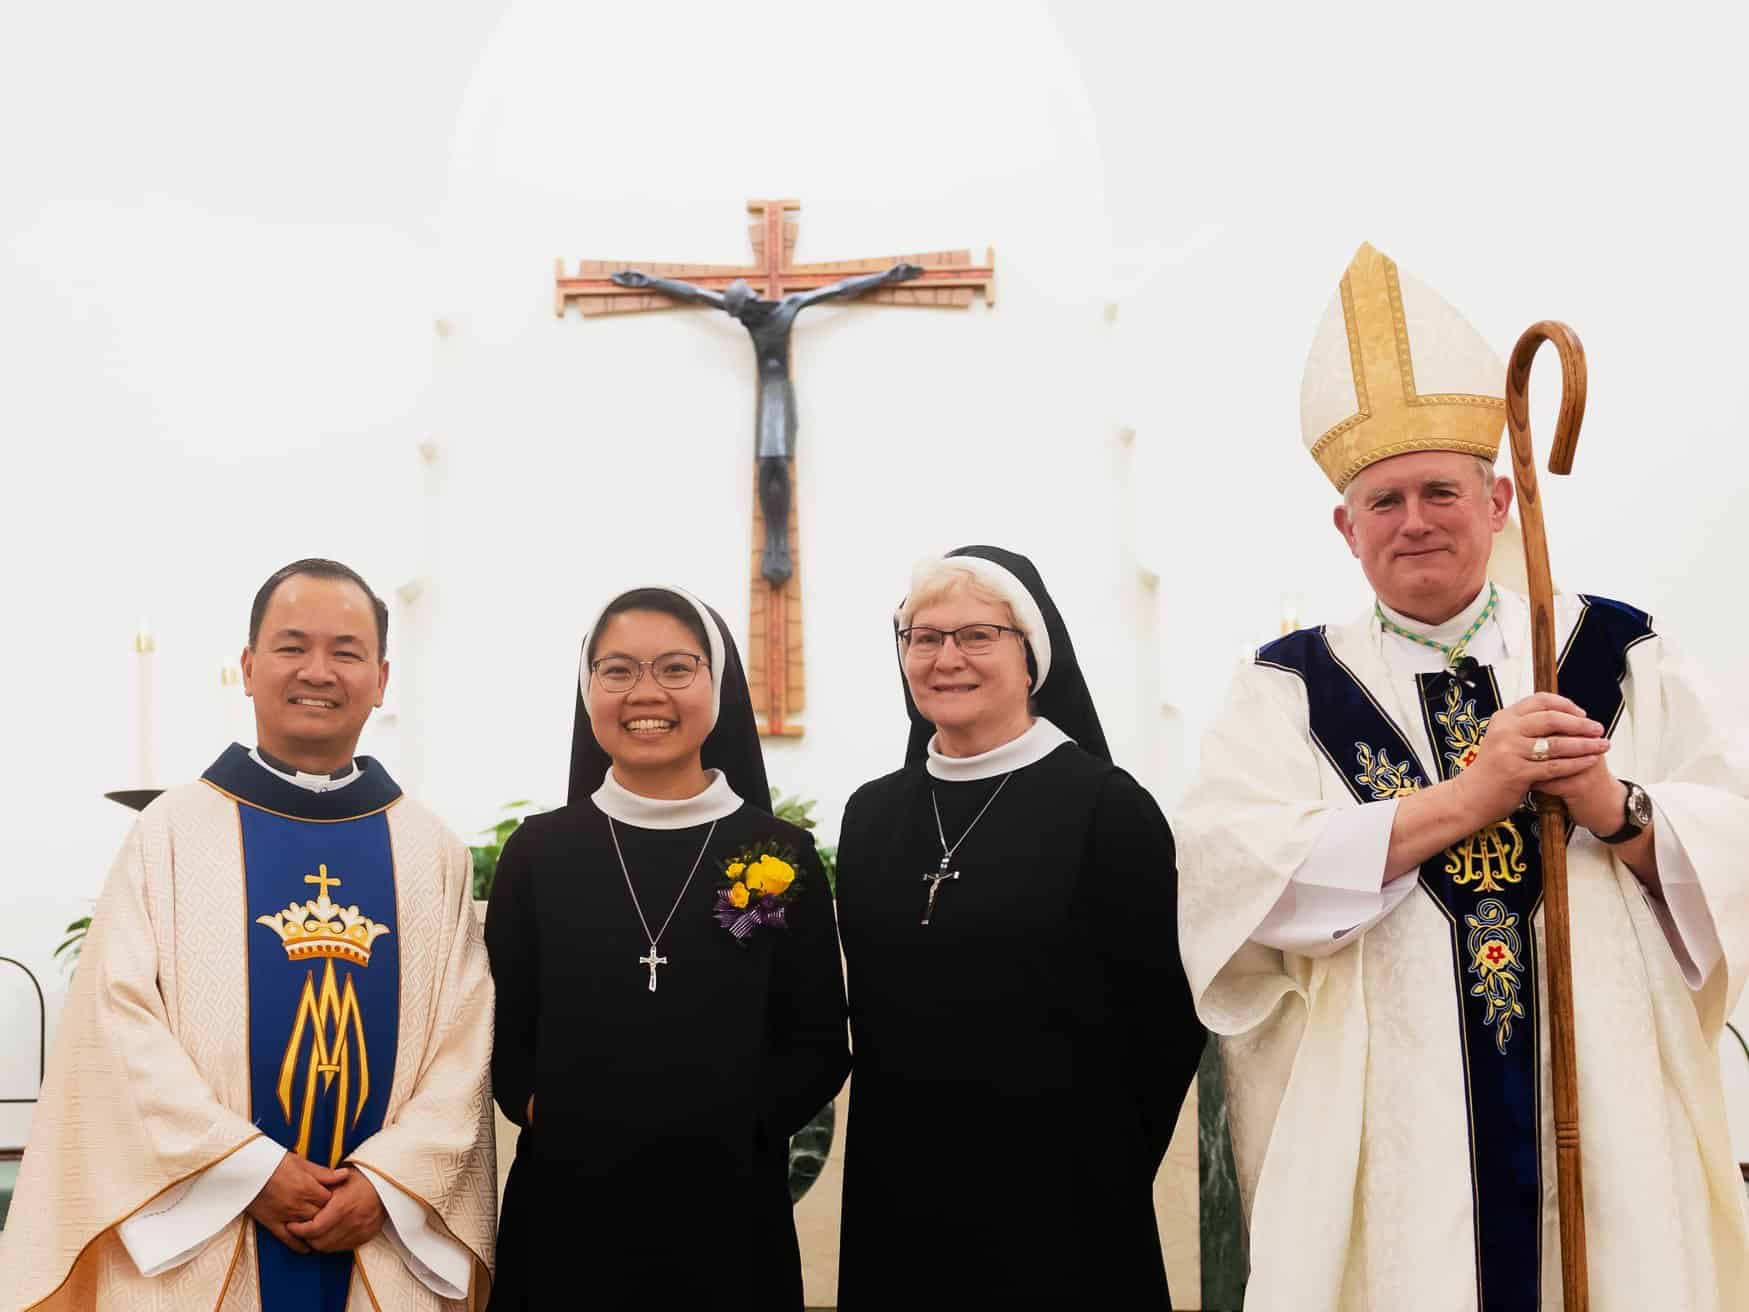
(1453,652)
(946,851)
(638,906)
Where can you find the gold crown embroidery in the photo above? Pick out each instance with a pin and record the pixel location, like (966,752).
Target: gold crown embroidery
(322,928)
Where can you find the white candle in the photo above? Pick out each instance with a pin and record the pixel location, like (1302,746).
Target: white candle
(144,646)
(230,699)
(1290,613)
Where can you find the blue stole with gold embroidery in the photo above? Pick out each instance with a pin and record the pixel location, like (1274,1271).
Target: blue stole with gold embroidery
(1488,888)
(324,984)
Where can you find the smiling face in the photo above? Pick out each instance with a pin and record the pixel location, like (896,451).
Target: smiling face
(1422,526)
(314,672)
(975,702)
(650,730)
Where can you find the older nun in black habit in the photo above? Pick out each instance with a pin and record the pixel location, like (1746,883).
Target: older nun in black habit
(1023,1032)
(670,1008)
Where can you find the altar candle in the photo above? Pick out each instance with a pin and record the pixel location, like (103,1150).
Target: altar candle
(144,646)
(230,702)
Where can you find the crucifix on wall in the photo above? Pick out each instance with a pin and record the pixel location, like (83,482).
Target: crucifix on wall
(785,289)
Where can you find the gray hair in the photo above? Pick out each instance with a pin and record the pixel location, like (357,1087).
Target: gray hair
(1485,471)
(935,577)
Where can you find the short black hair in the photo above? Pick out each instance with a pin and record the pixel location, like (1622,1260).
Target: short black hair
(318,568)
(659,600)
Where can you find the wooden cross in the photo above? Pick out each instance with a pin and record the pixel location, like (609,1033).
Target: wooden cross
(949,279)
(322,881)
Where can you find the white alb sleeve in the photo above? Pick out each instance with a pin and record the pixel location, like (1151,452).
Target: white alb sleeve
(178,1223)
(440,1263)
(1338,891)
(1680,905)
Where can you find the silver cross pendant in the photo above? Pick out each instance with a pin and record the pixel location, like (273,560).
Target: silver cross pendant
(652,961)
(933,879)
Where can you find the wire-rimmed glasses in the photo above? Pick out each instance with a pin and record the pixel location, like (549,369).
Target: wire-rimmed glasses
(673,670)
(923,642)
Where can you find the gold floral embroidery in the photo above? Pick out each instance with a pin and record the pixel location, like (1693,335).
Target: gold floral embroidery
(1463,730)
(1386,778)
(1494,948)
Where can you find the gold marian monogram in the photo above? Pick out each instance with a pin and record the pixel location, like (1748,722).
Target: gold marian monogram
(1493,856)
(323,929)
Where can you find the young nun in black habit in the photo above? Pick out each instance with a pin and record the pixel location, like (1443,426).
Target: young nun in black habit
(669,1002)
(1024,1035)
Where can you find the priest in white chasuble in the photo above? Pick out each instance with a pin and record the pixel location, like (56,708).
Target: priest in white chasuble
(269,1090)
(1361,907)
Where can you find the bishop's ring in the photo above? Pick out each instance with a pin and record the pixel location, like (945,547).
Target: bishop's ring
(1539,750)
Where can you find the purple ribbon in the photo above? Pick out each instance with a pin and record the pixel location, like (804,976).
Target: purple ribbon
(742,921)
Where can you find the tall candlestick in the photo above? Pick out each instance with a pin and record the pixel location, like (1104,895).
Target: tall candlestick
(230,702)
(1290,613)
(144,646)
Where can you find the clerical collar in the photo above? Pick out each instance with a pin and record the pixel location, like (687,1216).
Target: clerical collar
(716,802)
(242,776)
(1034,745)
(316,783)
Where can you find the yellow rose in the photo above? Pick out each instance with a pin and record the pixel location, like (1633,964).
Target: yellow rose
(737,895)
(756,875)
(735,869)
(779,875)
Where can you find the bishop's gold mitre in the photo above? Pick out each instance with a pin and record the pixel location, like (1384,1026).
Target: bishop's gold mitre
(1394,369)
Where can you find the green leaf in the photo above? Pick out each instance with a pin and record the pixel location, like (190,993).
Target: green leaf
(795,810)
(829,863)
(486,854)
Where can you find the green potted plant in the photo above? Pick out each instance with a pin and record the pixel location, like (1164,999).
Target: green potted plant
(68,952)
(486,854)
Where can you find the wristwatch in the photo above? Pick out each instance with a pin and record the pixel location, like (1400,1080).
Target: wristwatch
(1636,815)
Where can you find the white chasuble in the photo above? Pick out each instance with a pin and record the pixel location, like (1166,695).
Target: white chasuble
(149,1131)
(1354,1015)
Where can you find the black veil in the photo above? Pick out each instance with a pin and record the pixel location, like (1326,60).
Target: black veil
(732,745)
(1062,697)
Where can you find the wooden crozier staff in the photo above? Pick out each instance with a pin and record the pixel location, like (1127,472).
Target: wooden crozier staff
(1551,811)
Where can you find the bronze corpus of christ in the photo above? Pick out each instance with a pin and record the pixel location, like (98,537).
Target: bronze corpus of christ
(765,297)
(769,324)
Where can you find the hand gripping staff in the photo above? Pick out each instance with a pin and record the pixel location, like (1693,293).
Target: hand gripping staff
(1551,812)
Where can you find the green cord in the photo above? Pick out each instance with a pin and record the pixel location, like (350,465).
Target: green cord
(1455,651)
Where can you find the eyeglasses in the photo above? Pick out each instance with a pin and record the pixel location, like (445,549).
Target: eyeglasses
(673,670)
(973,639)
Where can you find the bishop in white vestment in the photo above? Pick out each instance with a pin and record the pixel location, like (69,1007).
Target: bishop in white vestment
(1361,912)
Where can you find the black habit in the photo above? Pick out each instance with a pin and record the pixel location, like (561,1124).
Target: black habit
(1021,1060)
(656,1172)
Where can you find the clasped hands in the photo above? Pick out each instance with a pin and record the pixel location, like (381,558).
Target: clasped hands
(1575,768)
(308,1207)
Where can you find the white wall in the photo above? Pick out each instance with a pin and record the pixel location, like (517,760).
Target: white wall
(227,236)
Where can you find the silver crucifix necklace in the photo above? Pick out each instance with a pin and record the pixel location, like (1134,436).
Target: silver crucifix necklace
(652,959)
(935,877)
